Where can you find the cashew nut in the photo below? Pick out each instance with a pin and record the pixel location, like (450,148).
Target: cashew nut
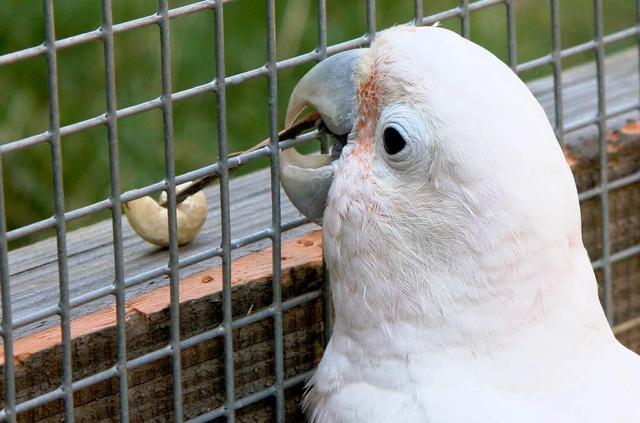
(150,220)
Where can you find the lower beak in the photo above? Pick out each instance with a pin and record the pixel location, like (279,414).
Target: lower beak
(330,90)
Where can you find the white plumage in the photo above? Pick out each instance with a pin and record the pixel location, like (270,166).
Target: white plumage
(461,287)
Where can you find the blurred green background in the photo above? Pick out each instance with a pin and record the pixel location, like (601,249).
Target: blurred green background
(27,176)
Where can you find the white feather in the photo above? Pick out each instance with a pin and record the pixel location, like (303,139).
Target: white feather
(461,286)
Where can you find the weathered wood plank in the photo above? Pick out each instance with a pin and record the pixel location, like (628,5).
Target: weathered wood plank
(623,146)
(94,345)
(34,273)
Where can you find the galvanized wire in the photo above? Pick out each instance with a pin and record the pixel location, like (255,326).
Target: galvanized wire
(9,412)
(604,161)
(557,70)
(116,210)
(170,180)
(225,218)
(276,215)
(371,20)
(418,12)
(465,24)
(61,233)
(511,35)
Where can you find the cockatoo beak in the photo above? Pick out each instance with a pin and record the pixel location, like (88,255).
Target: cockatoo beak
(329,89)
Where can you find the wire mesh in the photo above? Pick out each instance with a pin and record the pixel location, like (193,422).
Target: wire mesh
(272,72)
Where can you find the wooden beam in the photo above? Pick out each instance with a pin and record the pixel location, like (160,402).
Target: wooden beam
(94,341)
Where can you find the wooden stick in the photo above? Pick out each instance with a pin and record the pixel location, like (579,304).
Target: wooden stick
(306,122)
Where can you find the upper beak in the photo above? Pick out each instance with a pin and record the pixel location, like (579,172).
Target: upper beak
(330,90)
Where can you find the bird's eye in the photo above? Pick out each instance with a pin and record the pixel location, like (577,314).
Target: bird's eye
(393,141)
(402,137)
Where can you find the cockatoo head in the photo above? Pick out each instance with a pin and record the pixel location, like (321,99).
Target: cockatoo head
(451,188)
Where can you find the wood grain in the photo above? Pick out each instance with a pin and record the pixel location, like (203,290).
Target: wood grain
(94,341)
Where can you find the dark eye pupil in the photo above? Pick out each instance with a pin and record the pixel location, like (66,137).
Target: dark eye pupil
(393,141)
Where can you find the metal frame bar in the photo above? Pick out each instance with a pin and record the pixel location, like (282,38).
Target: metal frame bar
(61,234)
(512,47)
(225,217)
(175,345)
(465,21)
(418,12)
(604,173)
(276,216)
(557,70)
(170,181)
(116,210)
(371,21)
(9,410)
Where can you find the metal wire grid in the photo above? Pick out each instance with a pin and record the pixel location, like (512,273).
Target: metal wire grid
(53,136)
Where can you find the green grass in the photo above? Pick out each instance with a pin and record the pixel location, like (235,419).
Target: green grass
(27,179)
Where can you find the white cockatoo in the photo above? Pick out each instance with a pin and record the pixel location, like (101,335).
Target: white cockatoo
(451,231)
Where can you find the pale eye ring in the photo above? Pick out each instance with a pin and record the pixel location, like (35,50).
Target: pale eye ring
(402,137)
